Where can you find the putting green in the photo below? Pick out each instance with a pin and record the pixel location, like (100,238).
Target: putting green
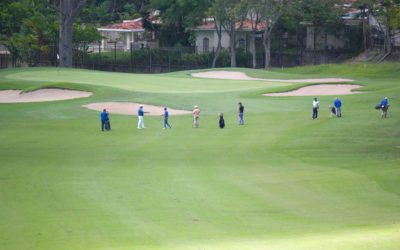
(281,181)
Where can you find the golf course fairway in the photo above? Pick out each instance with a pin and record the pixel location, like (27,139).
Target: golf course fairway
(281,181)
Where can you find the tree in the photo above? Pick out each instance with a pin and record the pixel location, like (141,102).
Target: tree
(323,15)
(178,19)
(217,13)
(68,10)
(365,6)
(271,12)
(255,16)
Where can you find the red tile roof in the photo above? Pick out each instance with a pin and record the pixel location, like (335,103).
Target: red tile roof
(126,25)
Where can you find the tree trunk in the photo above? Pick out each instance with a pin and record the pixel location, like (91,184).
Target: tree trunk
(388,41)
(65,35)
(267,48)
(218,50)
(232,43)
(315,45)
(364,28)
(68,9)
(253,51)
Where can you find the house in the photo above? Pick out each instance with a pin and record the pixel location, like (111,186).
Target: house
(4,56)
(122,36)
(207,37)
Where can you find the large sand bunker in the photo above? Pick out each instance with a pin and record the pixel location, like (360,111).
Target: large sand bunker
(320,90)
(129,108)
(40,95)
(235,75)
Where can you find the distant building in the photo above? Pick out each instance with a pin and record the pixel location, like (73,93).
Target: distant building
(207,37)
(130,32)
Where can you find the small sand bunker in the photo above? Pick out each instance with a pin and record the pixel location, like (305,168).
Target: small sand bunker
(320,90)
(129,108)
(235,75)
(40,95)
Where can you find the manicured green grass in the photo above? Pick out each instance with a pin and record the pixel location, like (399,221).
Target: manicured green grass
(282,181)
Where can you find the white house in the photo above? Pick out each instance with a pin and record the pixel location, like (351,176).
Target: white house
(122,35)
(207,38)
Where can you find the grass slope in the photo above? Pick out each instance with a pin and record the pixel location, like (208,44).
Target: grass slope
(281,181)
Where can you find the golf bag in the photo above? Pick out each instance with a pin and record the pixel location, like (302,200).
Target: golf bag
(107,125)
(378,106)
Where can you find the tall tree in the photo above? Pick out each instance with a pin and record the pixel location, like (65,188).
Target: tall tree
(271,11)
(235,13)
(217,12)
(365,6)
(255,15)
(178,19)
(68,10)
(323,15)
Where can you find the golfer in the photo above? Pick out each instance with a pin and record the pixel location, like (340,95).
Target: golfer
(140,117)
(315,105)
(384,106)
(196,115)
(166,115)
(221,120)
(104,119)
(338,107)
(240,114)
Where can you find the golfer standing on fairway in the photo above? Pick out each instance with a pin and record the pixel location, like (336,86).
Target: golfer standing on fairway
(140,117)
(338,107)
(315,105)
(103,118)
(241,111)
(196,114)
(166,115)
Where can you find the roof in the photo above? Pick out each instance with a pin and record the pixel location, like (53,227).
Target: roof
(246,25)
(4,50)
(125,26)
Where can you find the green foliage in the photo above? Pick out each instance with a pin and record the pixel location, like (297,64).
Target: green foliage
(178,18)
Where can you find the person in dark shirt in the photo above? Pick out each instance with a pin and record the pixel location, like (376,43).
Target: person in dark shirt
(338,107)
(241,112)
(140,117)
(103,119)
(221,121)
(108,124)
(166,115)
(384,106)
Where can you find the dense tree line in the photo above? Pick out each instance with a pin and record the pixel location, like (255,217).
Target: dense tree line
(28,27)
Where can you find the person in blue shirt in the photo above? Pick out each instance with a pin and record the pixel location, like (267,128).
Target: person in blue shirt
(140,117)
(166,115)
(103,119)
(338,107)
(384,106)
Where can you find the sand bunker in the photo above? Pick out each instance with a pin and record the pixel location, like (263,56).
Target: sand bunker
(40,95)
(319,90)
(129,108)
(235,75)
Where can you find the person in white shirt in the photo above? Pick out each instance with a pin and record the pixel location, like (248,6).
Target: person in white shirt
(315,105)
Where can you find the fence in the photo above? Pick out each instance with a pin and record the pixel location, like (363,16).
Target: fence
(158,60)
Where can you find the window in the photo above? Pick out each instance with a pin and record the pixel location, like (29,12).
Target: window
(242,43)
(206,44)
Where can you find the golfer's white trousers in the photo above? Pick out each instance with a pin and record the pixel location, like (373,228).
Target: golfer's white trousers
(140,122)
